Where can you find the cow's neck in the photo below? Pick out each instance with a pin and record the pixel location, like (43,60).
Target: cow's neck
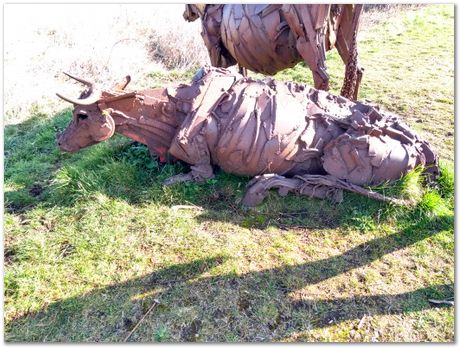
(148,117)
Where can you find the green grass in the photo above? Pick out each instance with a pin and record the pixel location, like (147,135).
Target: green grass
(92,239)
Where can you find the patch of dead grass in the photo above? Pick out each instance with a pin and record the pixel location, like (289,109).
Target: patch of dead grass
(102,43)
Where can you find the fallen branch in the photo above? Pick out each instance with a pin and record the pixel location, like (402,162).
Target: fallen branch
(155,302)
(177,207)
(450,303)
(361,322)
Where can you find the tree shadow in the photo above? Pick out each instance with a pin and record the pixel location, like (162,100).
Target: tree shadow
(110,313)
(372,305)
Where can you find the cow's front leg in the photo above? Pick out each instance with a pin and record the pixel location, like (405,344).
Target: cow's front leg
(199,172)
(193,149)
(309,31)
(319,187)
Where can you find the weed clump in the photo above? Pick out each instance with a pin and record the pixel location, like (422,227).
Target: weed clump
(446,180)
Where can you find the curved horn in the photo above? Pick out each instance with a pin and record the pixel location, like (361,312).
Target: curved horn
(93,97)
(79,79)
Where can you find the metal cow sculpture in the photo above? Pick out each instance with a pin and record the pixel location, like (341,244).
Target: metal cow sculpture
(289,136)
(270,38)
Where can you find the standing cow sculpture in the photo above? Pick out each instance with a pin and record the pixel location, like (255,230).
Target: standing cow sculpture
(289,136)
(270,38)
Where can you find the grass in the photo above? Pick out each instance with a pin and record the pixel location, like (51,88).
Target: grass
(93,239)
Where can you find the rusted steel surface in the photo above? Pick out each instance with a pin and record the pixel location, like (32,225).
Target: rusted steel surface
(314,142)
(270,38)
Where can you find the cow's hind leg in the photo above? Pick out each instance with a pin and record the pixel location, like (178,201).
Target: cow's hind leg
(318,186)
(258,188)
(346,45)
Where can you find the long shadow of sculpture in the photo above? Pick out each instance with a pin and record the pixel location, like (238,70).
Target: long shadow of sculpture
(182,288)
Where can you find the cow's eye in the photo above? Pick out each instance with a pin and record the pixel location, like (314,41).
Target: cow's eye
(82,116)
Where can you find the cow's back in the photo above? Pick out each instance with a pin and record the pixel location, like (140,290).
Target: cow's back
(267,127)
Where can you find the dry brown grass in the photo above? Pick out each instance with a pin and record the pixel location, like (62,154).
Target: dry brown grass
(375,13)
(99,42)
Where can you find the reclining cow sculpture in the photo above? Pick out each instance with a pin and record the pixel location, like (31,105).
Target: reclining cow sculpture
(289,136)
(270,38)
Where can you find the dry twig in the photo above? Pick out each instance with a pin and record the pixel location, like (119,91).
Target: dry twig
(450,303)
(177,207)
(155,302)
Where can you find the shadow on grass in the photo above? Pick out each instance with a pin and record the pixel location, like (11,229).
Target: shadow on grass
(236,301)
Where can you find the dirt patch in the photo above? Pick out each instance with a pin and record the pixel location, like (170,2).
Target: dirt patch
(275,324)
(17,208)
(244,303)
(66,249)
(9,256)
(128,324)
(191,332)
(36,190)
(23,220)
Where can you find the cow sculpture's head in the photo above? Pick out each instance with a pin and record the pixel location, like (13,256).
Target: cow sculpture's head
(193,11)
(89,124)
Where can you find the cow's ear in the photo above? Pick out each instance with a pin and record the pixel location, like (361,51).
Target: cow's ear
(120,86)
(106,130)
